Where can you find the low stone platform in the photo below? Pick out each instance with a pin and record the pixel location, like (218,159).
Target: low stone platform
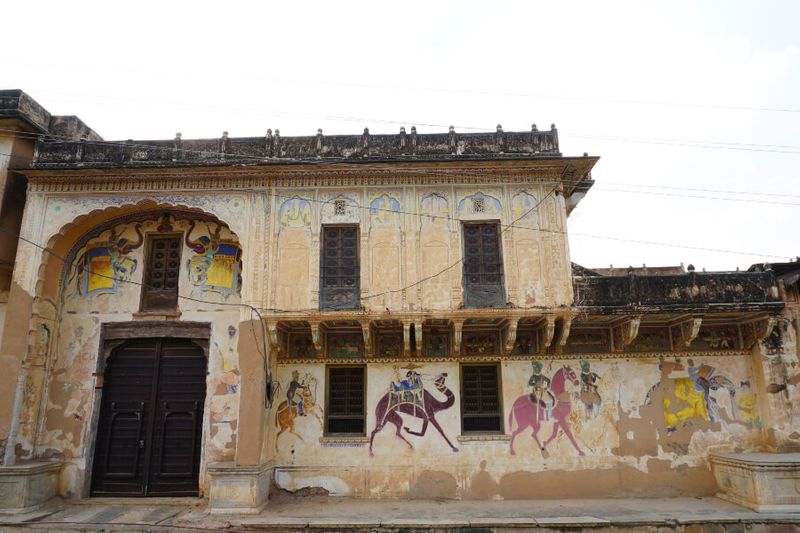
(690,515)
(764,482)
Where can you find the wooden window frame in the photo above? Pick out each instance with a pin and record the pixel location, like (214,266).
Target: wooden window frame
(500,408)
(150,238)
(356,304)
(326,431)
(498,297)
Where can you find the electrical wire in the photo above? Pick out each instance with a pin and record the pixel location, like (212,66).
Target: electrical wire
(83,269)
(466,174)
(476,92)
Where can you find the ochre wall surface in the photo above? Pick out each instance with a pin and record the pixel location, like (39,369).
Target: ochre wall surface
(410,233)
(650,434)
(640,437)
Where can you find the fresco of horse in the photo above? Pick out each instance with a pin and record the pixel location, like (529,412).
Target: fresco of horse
(527,414)
(304,392)
(410,398)
(685,398)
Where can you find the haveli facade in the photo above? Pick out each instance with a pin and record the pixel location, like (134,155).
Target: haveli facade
(368,316)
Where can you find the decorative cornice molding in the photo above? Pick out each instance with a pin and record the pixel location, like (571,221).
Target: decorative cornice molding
(499,358)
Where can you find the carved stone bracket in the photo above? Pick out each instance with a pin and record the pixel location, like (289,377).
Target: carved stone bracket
(457,330)
(511,335)
(365,329)
(406,338)
(688,331)
(628,331)
(763,328)
(316,337)
(564,335)
(274,341)
(418,336)
(549,330)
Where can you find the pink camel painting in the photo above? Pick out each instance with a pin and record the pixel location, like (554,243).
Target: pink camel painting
(527,414)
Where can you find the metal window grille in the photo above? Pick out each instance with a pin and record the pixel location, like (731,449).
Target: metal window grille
(480,399)
(345,405)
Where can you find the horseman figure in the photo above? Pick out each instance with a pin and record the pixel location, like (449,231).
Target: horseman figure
(540,389)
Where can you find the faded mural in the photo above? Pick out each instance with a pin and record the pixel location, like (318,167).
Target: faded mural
(104,286)
(630,418)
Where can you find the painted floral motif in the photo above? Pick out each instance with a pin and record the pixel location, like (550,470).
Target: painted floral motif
(295,213)
(384,210)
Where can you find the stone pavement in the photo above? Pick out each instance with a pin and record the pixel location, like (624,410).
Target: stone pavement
(692,515)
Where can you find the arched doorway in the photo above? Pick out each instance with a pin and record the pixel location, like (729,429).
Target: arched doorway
(151,416)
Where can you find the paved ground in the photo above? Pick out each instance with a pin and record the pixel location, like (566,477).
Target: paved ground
(319,513)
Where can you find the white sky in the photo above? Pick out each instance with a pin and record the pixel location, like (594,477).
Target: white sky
(146,70)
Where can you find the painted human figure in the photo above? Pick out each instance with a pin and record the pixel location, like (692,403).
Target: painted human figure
(540,388)
(589,379)
(589,388)
(294,394)
(747,405)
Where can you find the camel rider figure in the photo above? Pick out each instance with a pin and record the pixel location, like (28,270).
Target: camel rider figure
(540,389)
(294,394)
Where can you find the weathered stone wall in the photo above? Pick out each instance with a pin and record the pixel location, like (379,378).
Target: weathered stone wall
(650,434)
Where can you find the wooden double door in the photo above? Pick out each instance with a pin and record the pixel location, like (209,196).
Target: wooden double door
(151,418)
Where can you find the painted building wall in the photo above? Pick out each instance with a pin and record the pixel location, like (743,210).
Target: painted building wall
(650,433)
(639,437)
(411,233)
(105,287)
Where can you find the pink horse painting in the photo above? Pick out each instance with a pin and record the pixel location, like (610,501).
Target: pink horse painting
(527,414)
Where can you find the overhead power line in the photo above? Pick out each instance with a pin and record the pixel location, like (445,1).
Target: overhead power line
(458,173)
(458,90)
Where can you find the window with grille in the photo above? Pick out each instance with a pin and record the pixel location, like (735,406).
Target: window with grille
(162,272)
(480,399)
(344,413)
(483,266)
(339,269)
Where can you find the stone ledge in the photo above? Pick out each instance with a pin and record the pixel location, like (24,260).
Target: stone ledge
(483,438)
(763,482)
(25,487)
(238,489)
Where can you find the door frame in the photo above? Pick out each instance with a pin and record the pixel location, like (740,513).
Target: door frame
(112,335)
